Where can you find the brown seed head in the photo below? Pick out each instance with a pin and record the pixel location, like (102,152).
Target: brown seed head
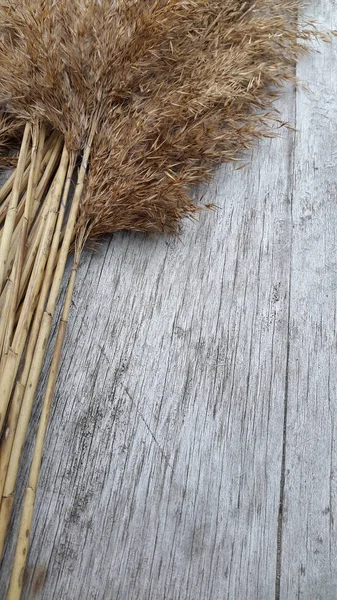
(177,86)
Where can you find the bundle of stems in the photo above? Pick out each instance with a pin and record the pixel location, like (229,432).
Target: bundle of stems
(135,101)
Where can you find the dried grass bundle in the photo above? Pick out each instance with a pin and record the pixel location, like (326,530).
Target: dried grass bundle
(200,98)
(149,96)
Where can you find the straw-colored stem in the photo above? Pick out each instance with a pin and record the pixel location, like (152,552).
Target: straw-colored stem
(8,185)
(12,287)
(14,411)
(20,558)
(7,318)
(11,212)
(40,349)
(30,254)
(37,142)
(4,207)
(4,316)
(42,148)
(11,362)
(48,164)
(38,226)
(34,233)
(46,152)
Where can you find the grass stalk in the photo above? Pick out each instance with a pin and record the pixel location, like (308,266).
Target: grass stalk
(46,152)
(12,359)
(20,386)
(37,227)
(40,349)
(4,317)
(32,249)
(36,155)
(11,211)
(8,185)
(20,558)
(48,165)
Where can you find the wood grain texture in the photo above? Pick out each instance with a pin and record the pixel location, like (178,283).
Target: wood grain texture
(191,449)
(309,540)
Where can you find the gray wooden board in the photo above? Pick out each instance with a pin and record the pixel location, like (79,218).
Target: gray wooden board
(309,540)
(191,448)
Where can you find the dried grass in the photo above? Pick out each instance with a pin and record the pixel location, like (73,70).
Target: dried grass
(179,86)
(150,96)
(203,95)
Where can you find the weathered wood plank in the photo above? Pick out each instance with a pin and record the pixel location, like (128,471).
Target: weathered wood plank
(309,535)
(161,476)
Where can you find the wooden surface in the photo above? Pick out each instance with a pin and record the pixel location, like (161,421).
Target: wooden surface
(192,446)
